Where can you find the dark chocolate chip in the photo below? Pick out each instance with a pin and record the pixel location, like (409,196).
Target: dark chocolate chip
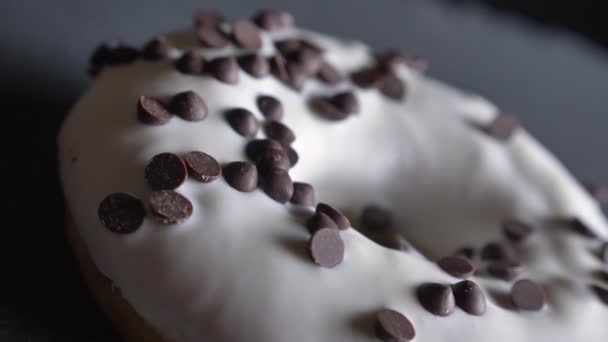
(271,108)
(225,69)
(278,68)
(469,297)
(166,171)
(601,293)
(436,298)
(367,78)
(326,247)
(504,270)
(204,17)
(288,45)
(190,63)
(335,214)
(457,266)
(255,65)
(495,251)
(303,194)
(297,75)
(376,218)
(502,127)
(243,122)
(308,59)
(212,36)
(516,230)
(273,20)
(320,220)
(279,132)
(392,326)
(604,252)
(326,109)
(293,156)
(112,53)
(121,213)
(396,241)
(152,112)
(346,102)
(189,106)
(393,87)
(246,35)
(277,184)
(202,166)
(158,48)
(599,192)
(467,252)
(582,228)
(328,74)
(527,295)
(267,154)
(169,207)
(243,176)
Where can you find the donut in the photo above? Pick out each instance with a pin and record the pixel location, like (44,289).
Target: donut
(249,180)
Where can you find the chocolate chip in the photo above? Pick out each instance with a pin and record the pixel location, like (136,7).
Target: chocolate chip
(604,252)
(267,154)
(467,252)
(169,207)
(308,59)
(111,53)
(328,74)
(436,298)
(516,231)
(243,176)
(326,247)
(392,326)
(502,127)
(212,36)
(121,213)
(278,68)
(367,78)
(166,171)
(334,214)
(158,48)
(469,297)
(601,293)
(279,132)
(320,220)
(303,194)
(326,109)
(346,102)
(203,17)
(246,35)
(243,122)
(288,45)
(393,87)
(527,295)
(457,266)
(271,108)
(297,75)
(190,63)
(496,251)
(189,106)
(152,112)
(255,65)
(389,59)
(395,241)
(277,184)
(505,270)
(599,192)
(293,156)
(582,228)
(225,69)
(376,218)
(273,20)
(202,166)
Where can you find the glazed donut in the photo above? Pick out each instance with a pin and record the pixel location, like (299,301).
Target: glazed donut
(253,181)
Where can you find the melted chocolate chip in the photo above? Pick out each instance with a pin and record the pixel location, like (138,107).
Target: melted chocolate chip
(242,176)
(279,132)
(516,231)
(293,156)
(436,298)
(326,247)
(271,108)
(255,65)
(152,112)
(158,48)
(277,184)
(376,218)
(327,110)
(393,326)
(328,74)
(246,35)
(346,102)
(469,297)
(505,270)
(225,69)
(212,36)
(273,20)
(393,87)
(503,127)
(334,214)
(267,154)
(169,207)
(457,266)
(303,194)
(202,166)
(121,213)
(190,63)
(189,106)
(166,171)
(243,122)
(527,295)
(203,17)
(320,220)
(601,293)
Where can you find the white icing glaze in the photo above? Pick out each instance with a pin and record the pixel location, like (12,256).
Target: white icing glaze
(238,270)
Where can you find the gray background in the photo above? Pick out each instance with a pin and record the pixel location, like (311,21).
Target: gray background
(554,81)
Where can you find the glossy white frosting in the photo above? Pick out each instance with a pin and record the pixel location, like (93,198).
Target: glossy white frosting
(238,269)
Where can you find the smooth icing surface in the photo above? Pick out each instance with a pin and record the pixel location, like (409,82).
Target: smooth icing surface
(238,269)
